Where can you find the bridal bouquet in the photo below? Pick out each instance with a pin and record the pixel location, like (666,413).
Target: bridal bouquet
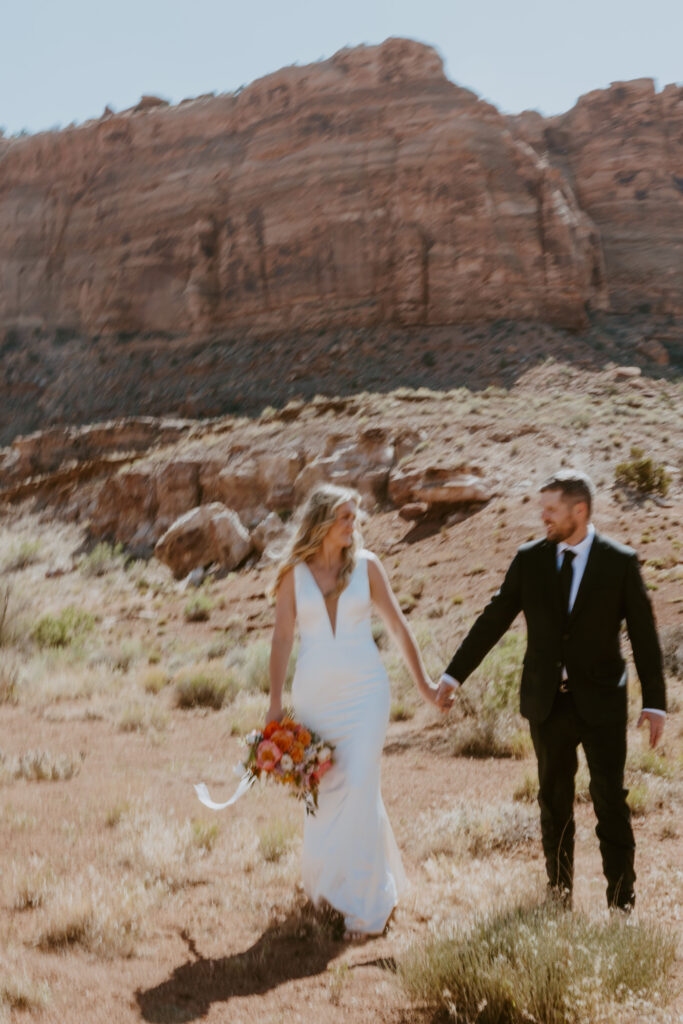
(286,752)
(292,755)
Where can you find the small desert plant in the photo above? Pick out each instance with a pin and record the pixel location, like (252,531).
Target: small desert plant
(642,475)
(501,672)
(206,684)
(60,630)
(464,831)
(275,839)
(102,916)
(339,975)
(102,559)
(491,734)
(401,710)
(527,790)
(9,681)
(40,765)
(204,835)
(255,671)
(158,849)
(154,679)
(198,608)
(22,555)
(539,964)
(672,649)
(10,615)
(19,992)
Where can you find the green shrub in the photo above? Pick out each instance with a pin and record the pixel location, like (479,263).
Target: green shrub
(198,608)
(255,671)
(61,630)
(22,555)
(501,671)
(102,559)
(642,475)
(539,964)
(206,684)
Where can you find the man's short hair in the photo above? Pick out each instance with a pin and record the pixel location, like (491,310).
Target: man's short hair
(573,484)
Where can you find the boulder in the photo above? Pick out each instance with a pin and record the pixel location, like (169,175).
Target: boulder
(362,462)
(207,534)
(265,536)
(444,487)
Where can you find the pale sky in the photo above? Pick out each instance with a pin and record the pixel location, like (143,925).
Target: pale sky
(65,60)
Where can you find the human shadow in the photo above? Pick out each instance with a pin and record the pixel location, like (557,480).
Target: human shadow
(301,946)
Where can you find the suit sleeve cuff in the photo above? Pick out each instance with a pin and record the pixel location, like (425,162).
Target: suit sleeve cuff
(445,678)
(656,711)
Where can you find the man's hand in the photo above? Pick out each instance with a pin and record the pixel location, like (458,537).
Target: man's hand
(445,695)
(656,725)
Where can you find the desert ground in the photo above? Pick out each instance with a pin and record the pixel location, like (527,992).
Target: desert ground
(122,899)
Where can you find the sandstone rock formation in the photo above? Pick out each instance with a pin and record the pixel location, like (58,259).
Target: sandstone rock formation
(236,250)
(621,151)
(205,535)
(439,487)
(362,190)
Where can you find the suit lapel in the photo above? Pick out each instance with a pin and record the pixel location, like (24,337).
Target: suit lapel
(590,574)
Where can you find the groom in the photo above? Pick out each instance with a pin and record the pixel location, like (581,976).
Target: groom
(575,588)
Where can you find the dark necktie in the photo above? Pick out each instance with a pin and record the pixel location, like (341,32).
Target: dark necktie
(566,576)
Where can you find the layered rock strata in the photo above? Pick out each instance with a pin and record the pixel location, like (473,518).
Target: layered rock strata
(363,190)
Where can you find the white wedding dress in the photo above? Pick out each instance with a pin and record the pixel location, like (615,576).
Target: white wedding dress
(341,691)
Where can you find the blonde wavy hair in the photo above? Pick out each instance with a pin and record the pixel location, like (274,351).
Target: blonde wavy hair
(311,527)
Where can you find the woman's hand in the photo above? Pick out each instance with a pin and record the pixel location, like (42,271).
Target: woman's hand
(436,695)
(274,713)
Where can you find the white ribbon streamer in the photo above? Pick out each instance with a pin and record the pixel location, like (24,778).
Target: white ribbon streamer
(246,782)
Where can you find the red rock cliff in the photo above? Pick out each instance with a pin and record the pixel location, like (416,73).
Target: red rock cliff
(367,189)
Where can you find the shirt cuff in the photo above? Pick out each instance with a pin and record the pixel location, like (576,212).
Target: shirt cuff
(656,711)
(449,680)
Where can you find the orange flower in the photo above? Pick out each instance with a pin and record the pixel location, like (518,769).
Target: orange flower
(270,729)
(284,739)
(303,737)
(267,755)
(288,723)
(296,752)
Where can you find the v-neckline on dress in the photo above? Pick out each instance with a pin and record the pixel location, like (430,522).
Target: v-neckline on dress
(333,626)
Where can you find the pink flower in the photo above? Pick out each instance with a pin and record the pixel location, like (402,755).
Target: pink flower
(267,755)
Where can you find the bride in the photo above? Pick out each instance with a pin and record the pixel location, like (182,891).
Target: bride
(326,583)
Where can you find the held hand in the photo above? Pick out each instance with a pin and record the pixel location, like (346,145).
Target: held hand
(656,726)
(445,695)
(274,713)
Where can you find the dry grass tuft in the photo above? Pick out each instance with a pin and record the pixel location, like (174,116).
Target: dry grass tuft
(9,680)
(159,850)
(104,916)
(206,684)
(275,839)
(19,991)
(466,831)
(21,555)
(536,963)
(39,766)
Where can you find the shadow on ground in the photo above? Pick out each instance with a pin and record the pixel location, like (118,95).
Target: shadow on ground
(301,946)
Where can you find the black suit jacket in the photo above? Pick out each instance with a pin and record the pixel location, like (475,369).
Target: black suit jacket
(587,641)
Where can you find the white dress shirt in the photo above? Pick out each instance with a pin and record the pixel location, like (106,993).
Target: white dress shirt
(581,553)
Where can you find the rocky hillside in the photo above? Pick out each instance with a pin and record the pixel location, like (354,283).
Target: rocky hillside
(236,250)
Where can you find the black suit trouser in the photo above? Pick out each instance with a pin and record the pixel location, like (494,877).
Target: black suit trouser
(556,741)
